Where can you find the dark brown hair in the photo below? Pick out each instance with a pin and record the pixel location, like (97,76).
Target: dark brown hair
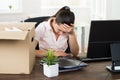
(64,15)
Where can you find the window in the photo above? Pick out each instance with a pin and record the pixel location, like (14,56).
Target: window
(98,9)
(10,6)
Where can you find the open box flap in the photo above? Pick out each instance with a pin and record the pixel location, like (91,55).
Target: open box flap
(13,35)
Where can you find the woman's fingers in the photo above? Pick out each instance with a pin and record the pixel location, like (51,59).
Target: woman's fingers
(60,53)
(67,28)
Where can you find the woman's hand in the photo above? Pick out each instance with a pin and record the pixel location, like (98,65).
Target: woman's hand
(60,53)
(67,28)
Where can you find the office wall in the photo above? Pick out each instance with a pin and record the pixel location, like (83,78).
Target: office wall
(113,11)
(33,8)
(30,7)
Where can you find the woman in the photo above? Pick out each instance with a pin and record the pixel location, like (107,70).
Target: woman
(54,34)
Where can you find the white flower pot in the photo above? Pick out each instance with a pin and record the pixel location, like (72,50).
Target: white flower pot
(51,70)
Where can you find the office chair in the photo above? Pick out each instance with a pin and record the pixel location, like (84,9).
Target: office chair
(39,20)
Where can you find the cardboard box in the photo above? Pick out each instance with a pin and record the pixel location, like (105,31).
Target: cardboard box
(17,48)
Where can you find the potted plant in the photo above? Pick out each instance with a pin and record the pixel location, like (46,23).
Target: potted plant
(50,64)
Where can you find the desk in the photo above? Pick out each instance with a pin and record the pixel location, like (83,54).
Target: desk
(94,71)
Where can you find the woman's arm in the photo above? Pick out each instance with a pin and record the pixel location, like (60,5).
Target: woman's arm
(74,47)
(40,53)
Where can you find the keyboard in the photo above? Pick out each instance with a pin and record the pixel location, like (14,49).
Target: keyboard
(93,59)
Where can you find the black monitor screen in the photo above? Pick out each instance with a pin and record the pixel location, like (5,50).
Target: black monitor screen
(102,34)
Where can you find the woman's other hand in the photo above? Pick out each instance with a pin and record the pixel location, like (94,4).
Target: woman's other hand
(60,53)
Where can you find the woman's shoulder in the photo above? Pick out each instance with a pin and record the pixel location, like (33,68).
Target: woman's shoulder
(44,25)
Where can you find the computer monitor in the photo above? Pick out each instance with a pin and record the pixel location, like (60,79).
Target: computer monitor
(102,34)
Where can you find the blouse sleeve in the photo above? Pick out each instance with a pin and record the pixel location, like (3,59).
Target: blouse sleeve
(39,31)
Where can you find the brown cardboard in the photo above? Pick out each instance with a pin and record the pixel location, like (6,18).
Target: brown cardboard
(17,48)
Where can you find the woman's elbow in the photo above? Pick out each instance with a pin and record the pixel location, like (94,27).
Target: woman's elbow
(75,52)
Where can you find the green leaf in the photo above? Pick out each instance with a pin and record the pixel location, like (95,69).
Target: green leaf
(50,59)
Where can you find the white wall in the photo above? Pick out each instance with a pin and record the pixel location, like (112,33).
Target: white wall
(30,7)
(113,9)
(33,8)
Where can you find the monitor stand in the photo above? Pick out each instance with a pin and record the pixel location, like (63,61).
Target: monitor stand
(113,68)
(115,53)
